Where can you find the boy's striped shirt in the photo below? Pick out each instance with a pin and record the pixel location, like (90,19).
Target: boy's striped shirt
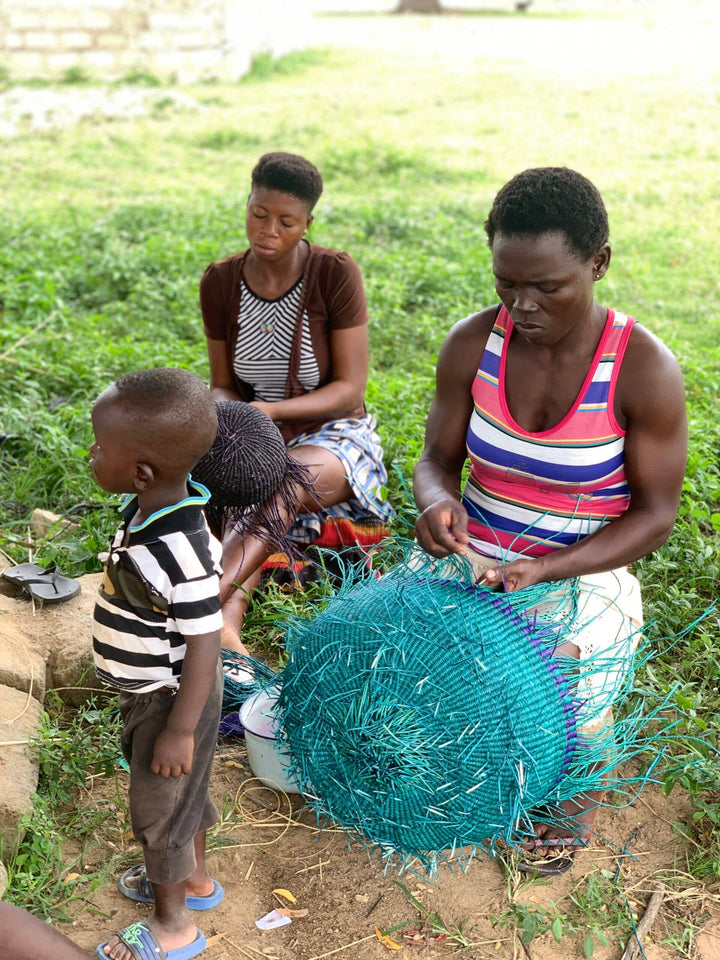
(158,591)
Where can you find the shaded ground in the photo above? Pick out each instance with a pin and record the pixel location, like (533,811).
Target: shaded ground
(267,841)
(271,842)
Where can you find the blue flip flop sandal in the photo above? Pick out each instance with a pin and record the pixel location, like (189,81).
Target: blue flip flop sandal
(143,892)
(144,945)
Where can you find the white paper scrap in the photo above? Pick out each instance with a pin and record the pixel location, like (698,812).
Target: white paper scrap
(272,920)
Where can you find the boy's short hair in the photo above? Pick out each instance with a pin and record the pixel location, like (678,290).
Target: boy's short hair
(546,199)
(172,415)
(291,174)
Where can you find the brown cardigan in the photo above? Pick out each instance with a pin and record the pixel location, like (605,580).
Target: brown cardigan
(332,294)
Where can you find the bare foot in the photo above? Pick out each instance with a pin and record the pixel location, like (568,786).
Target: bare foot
(575,825)
(195,885)
(233,611)
(230,640)
(169,938)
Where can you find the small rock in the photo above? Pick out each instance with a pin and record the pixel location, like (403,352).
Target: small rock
(43,521)
(361,898)
(3,879)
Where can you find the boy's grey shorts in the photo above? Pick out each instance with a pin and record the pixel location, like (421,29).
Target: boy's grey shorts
(167,812)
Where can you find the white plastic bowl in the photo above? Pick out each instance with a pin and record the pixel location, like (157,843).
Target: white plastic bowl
(267,762)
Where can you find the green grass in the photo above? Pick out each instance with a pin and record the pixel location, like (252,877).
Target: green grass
(62,857)
(107,228)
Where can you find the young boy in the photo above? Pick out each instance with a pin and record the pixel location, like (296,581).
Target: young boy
(156,639)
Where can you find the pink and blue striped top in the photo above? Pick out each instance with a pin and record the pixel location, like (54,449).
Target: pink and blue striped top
(532,493)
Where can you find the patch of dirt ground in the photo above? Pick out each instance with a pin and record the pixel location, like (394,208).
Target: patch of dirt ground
(269,841)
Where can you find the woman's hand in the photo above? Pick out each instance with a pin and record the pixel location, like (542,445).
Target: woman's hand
(441,528)
(513,576)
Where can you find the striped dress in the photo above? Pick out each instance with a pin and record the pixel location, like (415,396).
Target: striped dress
(266,329)
(532,493)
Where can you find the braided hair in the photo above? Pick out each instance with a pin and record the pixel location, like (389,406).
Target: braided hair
(252,480)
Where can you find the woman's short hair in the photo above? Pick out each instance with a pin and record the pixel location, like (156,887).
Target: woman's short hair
(289,173)
(546,199)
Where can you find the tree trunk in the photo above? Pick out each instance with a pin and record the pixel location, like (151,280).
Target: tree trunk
(418,6)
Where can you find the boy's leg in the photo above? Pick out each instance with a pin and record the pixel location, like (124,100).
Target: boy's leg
(166,811)
(170,921)
(199,883)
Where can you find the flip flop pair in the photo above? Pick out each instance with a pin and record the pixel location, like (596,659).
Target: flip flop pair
(144,945)
(552,866)
(143,892)
(45,586)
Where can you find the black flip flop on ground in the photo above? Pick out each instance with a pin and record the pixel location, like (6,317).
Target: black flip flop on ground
(45,586)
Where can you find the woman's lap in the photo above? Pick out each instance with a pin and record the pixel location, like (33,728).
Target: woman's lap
(357,446)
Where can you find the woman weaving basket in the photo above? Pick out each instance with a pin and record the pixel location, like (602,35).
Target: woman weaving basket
(287,329)
(573,418)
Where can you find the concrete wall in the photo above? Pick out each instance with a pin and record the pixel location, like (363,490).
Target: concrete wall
(186,40)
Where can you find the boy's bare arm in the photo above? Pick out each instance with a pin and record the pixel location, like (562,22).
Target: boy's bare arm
(173,753)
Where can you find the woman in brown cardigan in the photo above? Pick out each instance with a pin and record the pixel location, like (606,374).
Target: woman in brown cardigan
(287,330)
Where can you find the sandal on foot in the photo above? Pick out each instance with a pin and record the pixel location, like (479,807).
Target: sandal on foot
(144,945)
(552,866)
(143,892)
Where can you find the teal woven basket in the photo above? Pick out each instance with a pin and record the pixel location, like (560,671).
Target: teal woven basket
(426,714)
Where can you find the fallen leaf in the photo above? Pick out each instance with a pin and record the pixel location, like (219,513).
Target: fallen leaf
(232,763)
(215,938)
(70,877)
(285,894)
(292,913)
(386,941)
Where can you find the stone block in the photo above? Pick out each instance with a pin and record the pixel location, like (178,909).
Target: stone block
(61,635)
(19,19)
(43,522)
(110,40)
(98,60)
(93,18)
(58,63)
(14,41)
(19,721)
(60,18)
(75,40)
(25,63)
(21,666)
(41,40)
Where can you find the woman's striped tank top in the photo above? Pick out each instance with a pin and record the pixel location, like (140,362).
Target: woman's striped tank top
(532,493)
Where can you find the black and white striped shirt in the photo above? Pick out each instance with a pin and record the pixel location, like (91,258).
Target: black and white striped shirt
(264,343)
(158,591)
